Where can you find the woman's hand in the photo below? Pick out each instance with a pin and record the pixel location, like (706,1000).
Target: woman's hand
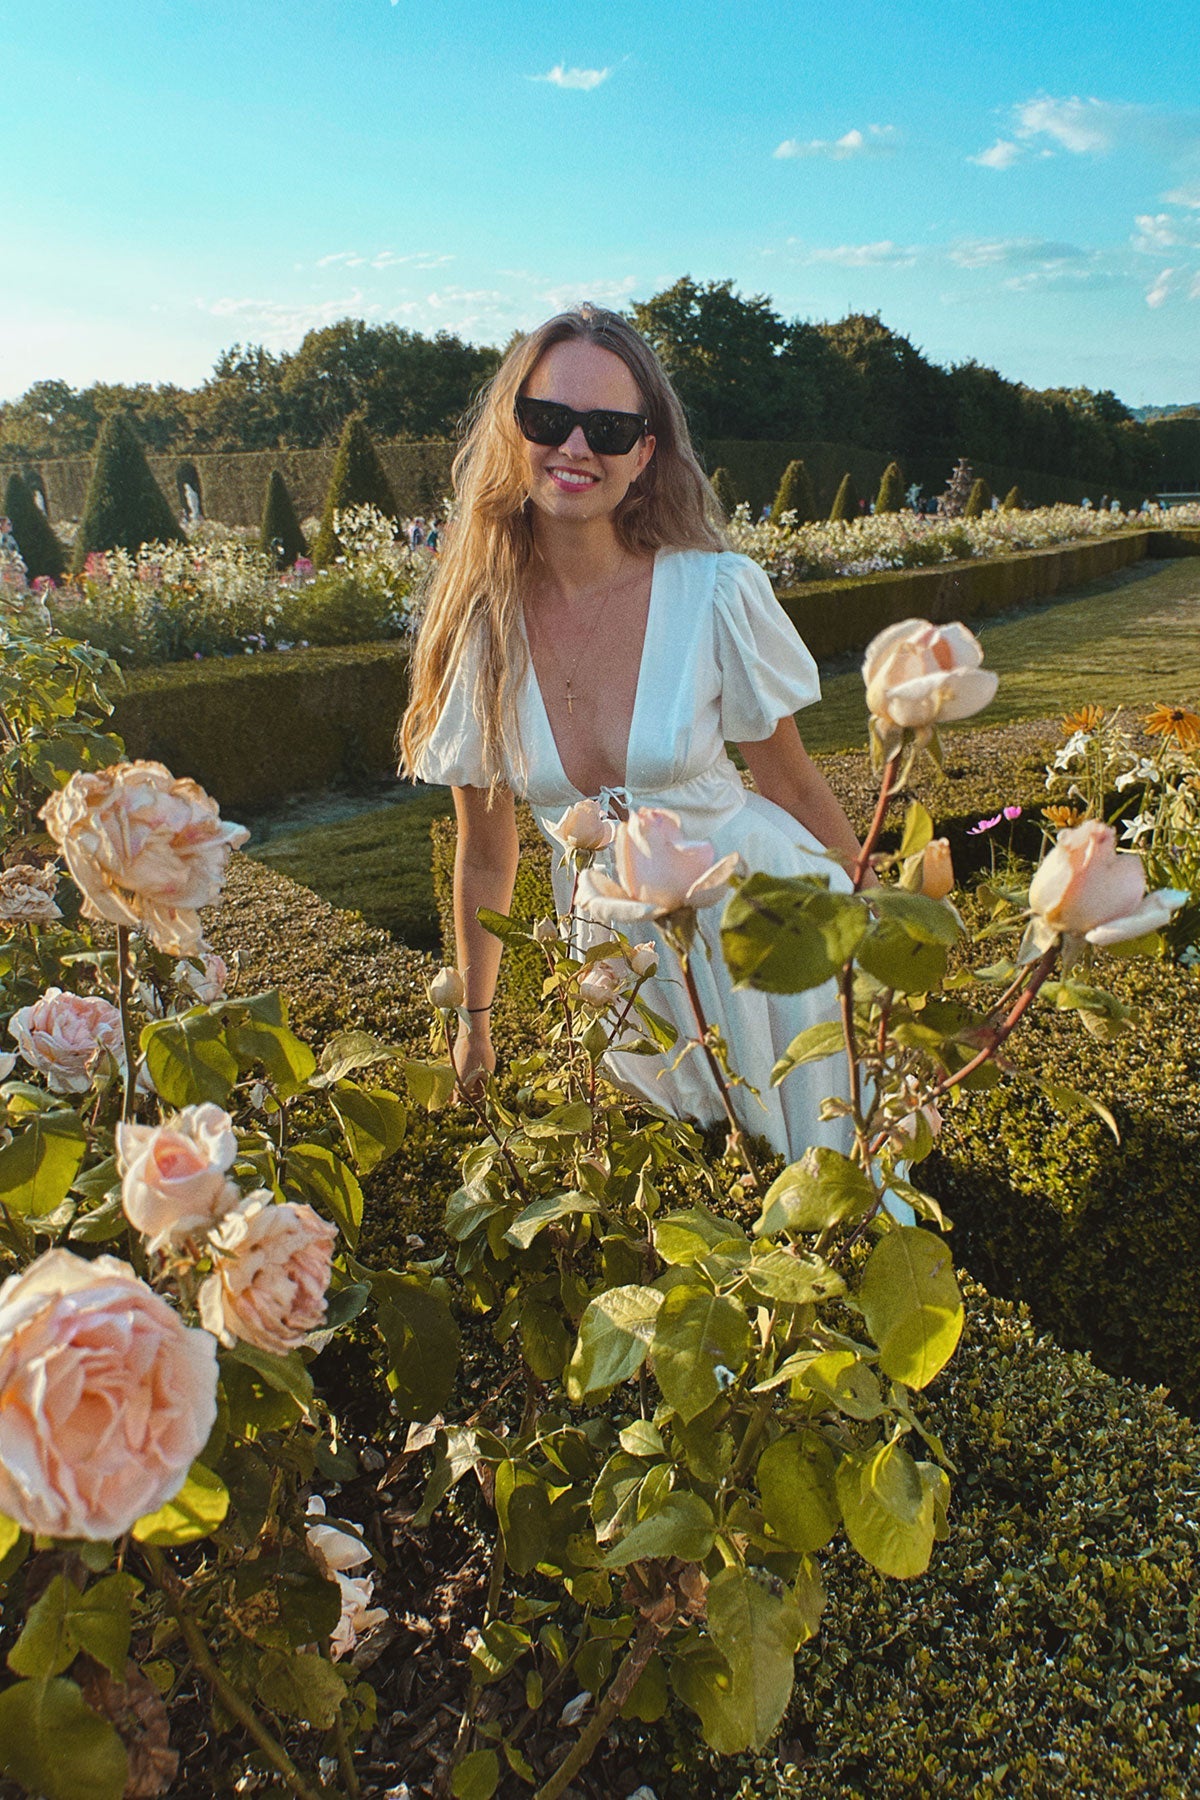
(474,1056)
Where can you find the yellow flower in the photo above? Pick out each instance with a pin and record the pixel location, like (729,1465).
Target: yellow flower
(1086,719)
(1175,722)
(1062,817)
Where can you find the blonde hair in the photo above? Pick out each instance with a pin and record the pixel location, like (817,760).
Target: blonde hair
(473,597)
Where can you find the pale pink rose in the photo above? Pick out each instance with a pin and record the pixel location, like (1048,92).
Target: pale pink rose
(174,1181)
(1088,888)
(8,1063)
(643,959)
(63,1036)
(904,1130)
(600,985)
(448,990)
(583,827)
(208,982)
(27,895)
(106,1397)
(271,1267)
(658,871)
(937,869)
(358,1616)
(546,931)
(145,849)
(920,675)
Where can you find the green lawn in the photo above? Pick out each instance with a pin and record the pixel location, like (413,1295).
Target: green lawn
(1130,639)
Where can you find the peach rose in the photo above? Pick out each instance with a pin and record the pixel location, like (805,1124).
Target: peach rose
(658,872)
(63,1037)
(448,990)
(145,849)
(1088,888)
(583,827)
(174,1182)
(600,985)
(106,1397)
(209,982)
(271,1266)
(920,675)
(937,869)
(27,895)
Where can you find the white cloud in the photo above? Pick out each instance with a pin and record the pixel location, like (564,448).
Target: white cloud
(418,259)
(1184,196)
(1160,288)
(875,141)
(286,320)
(982,253)
(884,254)
(603,293)
(583,79)
(1080,126)
(1002,155)
(1155,231)
(1194,290)
(351,258)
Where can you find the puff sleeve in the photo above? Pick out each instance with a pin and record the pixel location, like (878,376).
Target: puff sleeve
(453,757)
(766,671)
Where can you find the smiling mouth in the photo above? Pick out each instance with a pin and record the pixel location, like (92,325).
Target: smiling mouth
(574,479)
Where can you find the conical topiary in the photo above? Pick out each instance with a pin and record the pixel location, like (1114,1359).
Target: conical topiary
(358,479)
(722,486)
(281,534)
(795,495)
(890,498)
(845,501)
(979,500)
(125,507)
(40,549)
(1013,501)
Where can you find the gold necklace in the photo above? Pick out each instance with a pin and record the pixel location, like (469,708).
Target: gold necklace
(587,644)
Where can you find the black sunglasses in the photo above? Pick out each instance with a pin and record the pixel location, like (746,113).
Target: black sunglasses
(607,433)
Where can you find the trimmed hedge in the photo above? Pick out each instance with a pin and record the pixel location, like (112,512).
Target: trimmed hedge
(37,541)
(1051,1652)
(252,730)
(125,507)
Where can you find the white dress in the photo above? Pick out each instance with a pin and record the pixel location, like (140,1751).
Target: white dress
(721,663)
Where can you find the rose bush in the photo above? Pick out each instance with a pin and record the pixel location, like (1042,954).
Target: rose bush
(106,1397)
(64,1036)
(271,1269)
(174,1177)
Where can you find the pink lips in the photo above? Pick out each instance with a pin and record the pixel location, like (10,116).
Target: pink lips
(572,487)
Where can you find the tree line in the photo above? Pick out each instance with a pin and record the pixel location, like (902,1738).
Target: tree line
(741,369)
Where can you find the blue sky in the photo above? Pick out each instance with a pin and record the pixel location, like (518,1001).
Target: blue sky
(1015,182)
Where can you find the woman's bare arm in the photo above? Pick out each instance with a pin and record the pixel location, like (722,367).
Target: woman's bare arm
(784,772)
(485,867)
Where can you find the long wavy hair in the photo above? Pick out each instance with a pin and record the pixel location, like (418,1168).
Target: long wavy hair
(473,597)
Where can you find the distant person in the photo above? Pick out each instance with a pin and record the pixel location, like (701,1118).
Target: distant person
(416,534)
(765,514)
(431,538)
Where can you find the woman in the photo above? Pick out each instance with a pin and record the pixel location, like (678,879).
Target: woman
(587,634)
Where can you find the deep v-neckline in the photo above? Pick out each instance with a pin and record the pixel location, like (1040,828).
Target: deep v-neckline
(544,710)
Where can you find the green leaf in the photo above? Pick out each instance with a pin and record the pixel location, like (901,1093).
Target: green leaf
(571,1120)
(785,934)
(196,1511)
(812,1045)
(794,1280)
(430,1083)
(301,1686)
(898,960)
(477,1776)
(56,1746)
(287,1059)
(500,925)
(10,1535)
(686,1237)
(501,1646)
(328,1184)
(102,1225)
(189,1061)
(642,1438)
(755,1635)
(911,1302)
(63,1621)
(523,1511)
(820,1190)
(39,1166)
(1071,1101)
(842,1378)
(889,1504)
(614,1336)
(918,829)
(422,1342)
(681,1526)
(350,1050)
(286,1374)
(695,1333)
(374,1122)
(796,1481)
(924,920)
(540,1213)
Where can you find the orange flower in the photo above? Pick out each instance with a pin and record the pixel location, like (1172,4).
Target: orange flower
(1175,722)
(1086,719)
(1063,817)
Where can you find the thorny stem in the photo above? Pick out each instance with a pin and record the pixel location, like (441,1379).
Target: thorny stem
(650,1633)
(230,1697)
(1019,1008)
(737,1137)
(124,1003)
(888,782)
(477,1108)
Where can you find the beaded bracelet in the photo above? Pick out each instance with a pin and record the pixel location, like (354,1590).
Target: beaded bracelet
(487,1008)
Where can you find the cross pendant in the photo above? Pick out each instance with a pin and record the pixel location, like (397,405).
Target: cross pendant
(570,699)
